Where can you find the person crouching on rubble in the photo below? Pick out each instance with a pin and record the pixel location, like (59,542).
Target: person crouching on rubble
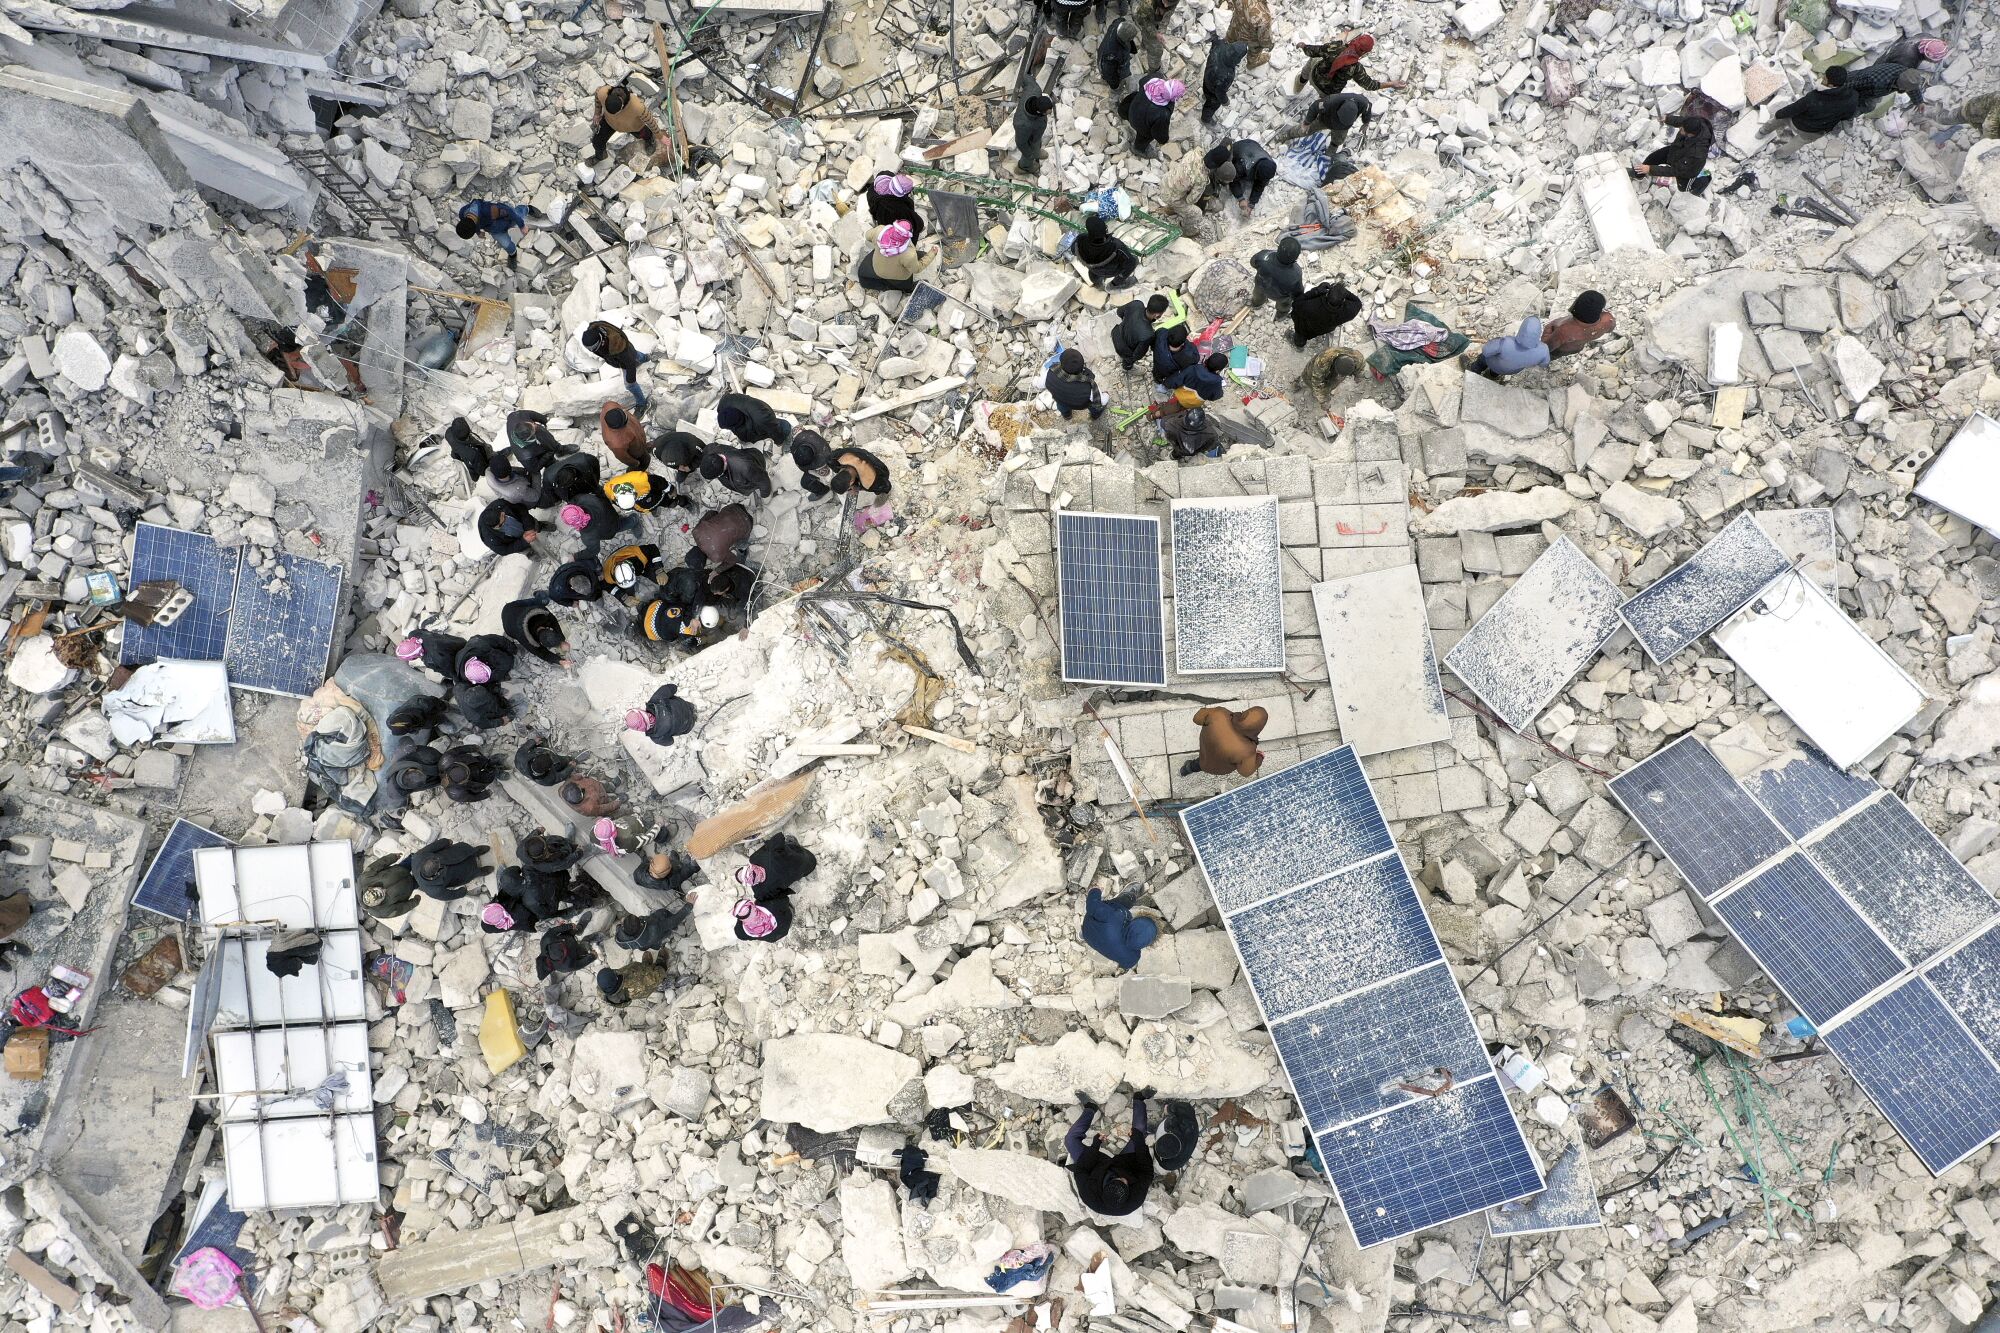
(894,262)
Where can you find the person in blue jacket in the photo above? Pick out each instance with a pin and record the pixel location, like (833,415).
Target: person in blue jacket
(1111,927)
(1204,377)
(498,220)
(1524,350)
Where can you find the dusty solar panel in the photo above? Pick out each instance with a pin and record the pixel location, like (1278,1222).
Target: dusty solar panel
(1568,1204)
(1541,632)
(1704,590)
(1108,581)
(1228,596)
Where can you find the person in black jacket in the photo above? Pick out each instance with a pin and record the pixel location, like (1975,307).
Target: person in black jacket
(1108,1185)
(1278,276)
(1109,261)
(664,868)
(1115,51)
(562,952)
(414,770)
(849,469)
(547,853)
(1031,124)
(637,934)
(1150,113)
(418,716)
(739,470)
(1321,310)
(1173,352)
(1191,432)
(442,868)
(781,862)
(470,451)
(891,197)
(468,773)
(495,652)
(1686,158)
(1821,111)
(679,452)
(482,706)
(507,528)
(1204,377)
(1132,335)
(1073,387)
(1255,169)
(577,474)
(1218,75)
(530,623)
(608,343)
(751,419)
(575,581)
(1337,115)
(665,718)
(541,764)
(434,650)
(595,519)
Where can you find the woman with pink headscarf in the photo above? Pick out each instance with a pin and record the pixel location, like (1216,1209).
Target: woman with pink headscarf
(774,868)
(891,197)
(1331,68)
(1150,113)
(894,262)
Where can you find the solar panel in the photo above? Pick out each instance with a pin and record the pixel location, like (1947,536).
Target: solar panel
(1924,1071)
(1968,981)
(1808,939)
(279,639)
(1228,599)
(1568,1204)
(1542,631)
(1350,930)
(1380,660)
(194,561)
(1809,541)
(1804,789)
(1363,1053)
(1429,1161)
(1108,576)
(1903,879)
(1300,824)
(1698,816)
(167,887)
(1704,590)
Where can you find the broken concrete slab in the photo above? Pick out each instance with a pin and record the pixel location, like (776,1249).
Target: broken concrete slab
(829,1081)
(452,1261)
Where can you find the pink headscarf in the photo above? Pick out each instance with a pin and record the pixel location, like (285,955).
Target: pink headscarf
(894,183)
(1165,92)
(574,516)
(1931,49)
(496,916)
(895,238)
(749,876)
(410,649)
(477,672)
(757,921)
(638,720)
(605,831)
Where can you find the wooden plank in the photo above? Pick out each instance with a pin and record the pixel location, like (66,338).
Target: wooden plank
(60,1293)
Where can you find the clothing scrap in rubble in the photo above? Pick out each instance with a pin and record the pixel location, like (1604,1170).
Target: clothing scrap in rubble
(921,1184)
(1027,1264)
(1302,162)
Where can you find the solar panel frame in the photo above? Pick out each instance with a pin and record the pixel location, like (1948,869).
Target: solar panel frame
(1467,1153)
(280,643)
(1967,979)
(1925,1072)
(1692,838)
(1227,831)
(1808,938)
(1568,1204)
(196,562)
(1704,590)
(1228,575)
(1805,790)
(1518,674)
(173,864)
(1085,604)
(1897,873)
(1354,929)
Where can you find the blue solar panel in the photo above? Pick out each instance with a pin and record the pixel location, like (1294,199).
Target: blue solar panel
(1699,816)
(1806,789)
(1346,1058)
(1108,573)
(1429,1161)
(1924,1071)
(1704,590)
(168,884)
(1349,930)
(279,641)
(1968,981)
(1295,826)
(196,563)
(1808,938)
(1903,879)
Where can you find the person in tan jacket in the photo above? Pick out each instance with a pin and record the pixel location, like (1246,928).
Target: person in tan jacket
(624,437)
(618,112)
(1228,742)
(894,262)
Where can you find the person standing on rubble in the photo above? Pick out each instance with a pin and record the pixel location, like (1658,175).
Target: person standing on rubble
(1150,113)
(434,650)
(619,112)
(1329,68)
(638,492)
(1250,23)
(891,198)
(851,468)
(468,773)
(1107,1185)
(442,868)
(1204,378)
(1173,352)
(498,220)
(1132,335)
(529,623)
(1031,124)
(1321,310)
(740,470)
(1115,51)
(1328,367)
(1279,278)
(542,764)
(1073,387)
(665,718)
(1820,112)
(619,986)
(608,343)
(751,420)
(1586,322)
(893,263)
(1113,929)
(1521,350)
(1686,158)
(1218,76)
(568,477)
(482,706)
(589,797)
(562,952)
(1108,260)
(1255,169)
(1228,742)
(1189,189)
(1338,114)
(414,770)
(1189,432)
(624,437)
(486,659)
(507,528)
(575,581)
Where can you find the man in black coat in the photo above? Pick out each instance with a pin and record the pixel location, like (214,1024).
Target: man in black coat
(531,624)
(1322,310)
(1278,276)
(1337,115)
(507,528)
(1132,335)
(1031,123)
(1109,261)
(751,419)
(739,470)
(1821,111)
(1173,352)
(665,717)
(1255,169)
(1218,74)
(1073,387)
(1115,51)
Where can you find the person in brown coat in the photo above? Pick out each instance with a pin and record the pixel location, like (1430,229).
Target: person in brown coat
(624,437)
(587,796)
(1586,322)
(1228,742)
(618,112)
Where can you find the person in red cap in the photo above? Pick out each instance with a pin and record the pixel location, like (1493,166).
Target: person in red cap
(1329,68)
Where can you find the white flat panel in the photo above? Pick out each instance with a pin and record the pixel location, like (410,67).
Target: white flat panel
(328,991)
(304,886)
(315,1162)
(1830,678)
(1380,659)
(274,1072)
(1229,616)
(1965,476)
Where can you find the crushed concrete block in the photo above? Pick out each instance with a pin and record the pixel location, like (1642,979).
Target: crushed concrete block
(1495,511)
(81,359)
(1860,370)
(1074,1063)
(605,1068)
(1153,997)
(1646,514)
(829,1081)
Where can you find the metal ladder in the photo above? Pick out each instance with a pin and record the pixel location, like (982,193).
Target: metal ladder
(1146,233)
(369,213)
